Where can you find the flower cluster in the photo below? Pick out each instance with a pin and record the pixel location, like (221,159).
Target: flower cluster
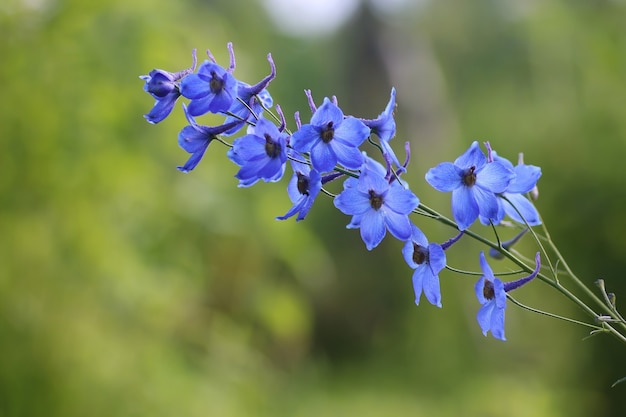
(484,185)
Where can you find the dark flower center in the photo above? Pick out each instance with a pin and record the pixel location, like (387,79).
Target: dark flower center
(488,291)
(376,201)
(303,184)
(420,254)
(469,177)
(272,149)
(328,132)
(216,84)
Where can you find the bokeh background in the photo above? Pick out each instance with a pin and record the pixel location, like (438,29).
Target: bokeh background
(130,289)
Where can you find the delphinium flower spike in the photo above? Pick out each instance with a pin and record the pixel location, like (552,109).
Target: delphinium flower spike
(491,293)
(474,183)
(164,86)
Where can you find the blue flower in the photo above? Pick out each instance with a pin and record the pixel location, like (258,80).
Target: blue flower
(491,294)
(212,89)
(164,87)
(331,138)
(526,177)
(384,126)
(427,259)
(261,154)
(195,139)
(474,183)
(304,186)
(377,206)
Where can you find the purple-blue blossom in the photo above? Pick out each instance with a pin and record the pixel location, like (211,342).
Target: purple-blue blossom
(304,186)
(330,138)
(261,154)
(526,177)
(196,138)
(384,126)
(164,87)
(427,260)
(491,294)
(473,182)
(377,206)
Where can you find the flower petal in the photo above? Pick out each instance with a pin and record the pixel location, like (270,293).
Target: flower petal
(497,323)
(306,137)
(327,112)
(323,157)
(399,225)
(373,228)
(525,207)
(430,285)
(472,157)
(484,316)
(494,177)
(352,202)
(401,200)
(464,207)
(348,156)
(445,177)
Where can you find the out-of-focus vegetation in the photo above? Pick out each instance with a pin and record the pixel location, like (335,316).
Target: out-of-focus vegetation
(130,289)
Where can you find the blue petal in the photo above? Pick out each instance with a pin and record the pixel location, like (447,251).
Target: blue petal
(484,316)
(464,207)
(372,180)
(484,266)
(487,202)
(418,236)
(348,156)
(372,228)
(497,323)
(162,108)
(526,177)
(401,200)
(437,258)
(193,161)
(326,113)
(525,207)
(399,225)
(430,285)
(472,157)
(297,206)
(194,87)
(352,202)
(323,157)
(418,282)
(445,177)
(494,177)
(407,253)
(306,137)
(500,295)
(192,140)
(479,290)
(351,132)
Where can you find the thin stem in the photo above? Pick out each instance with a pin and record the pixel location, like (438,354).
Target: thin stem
(556,316)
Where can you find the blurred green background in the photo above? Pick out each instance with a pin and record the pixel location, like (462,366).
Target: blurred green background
(130,289)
